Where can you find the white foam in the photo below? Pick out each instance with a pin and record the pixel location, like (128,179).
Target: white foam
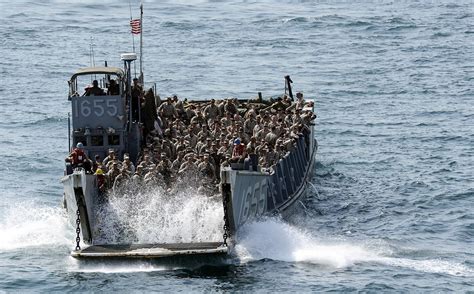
(158,217)
(280,241)
(430,266)
(29,224)
(128,266)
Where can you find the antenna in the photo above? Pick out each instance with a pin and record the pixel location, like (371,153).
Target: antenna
(91,56)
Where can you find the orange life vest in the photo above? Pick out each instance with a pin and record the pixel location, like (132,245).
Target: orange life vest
(78,156)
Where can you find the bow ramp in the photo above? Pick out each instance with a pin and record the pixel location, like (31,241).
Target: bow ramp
(151,250)
(118,228)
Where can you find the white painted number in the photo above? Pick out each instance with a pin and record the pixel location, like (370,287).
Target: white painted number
(111,107)
(85,109)
(98,109)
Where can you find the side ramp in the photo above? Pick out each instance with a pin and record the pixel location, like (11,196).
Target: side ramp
(151,250)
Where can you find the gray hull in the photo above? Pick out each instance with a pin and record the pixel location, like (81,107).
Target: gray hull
(81,197)
(249,195)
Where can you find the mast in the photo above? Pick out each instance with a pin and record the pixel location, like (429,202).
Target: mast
(142,80)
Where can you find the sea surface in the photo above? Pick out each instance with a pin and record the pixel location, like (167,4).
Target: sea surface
(391,204)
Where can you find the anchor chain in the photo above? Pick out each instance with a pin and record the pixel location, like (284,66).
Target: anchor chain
(226,221)
(78,226)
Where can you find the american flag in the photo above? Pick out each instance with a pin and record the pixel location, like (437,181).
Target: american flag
(136,26)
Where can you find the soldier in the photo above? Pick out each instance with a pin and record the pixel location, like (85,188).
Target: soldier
(226,161)
(300,100)
(181,144)
(211,111)
(137,178)
(114,161)
(221,108)
(258,125)
(97,163)
(147,163)
(272,156)
(215,158)
(252,144)
(198,118)
(280,150)
(188,169)
(114,171)
(204,132)
(191,138)
(262,155)
(287,100)
(205,146)
(249,125)
(271,137)
(177,162)
(225,149)
(278,105)
(242,135)
(200,143)
(190,112)
(121,179)
(262,133)
(168,148)
(296,118)
(128,164)
(167,110)
(206,168)
(178,105)
(308,116)
(215,130)
(226,121)
(260,147)
(164,168)
(230,107)
(153,178)
(295,131)
(109,157)
(251,113)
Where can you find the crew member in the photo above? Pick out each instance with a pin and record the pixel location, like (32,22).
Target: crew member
(95,90)
(101,181)
(114,88)
(78,158)
(137,96)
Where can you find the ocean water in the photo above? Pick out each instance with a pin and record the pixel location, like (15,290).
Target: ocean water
(390,207)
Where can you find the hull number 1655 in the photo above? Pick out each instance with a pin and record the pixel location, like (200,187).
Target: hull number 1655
(98,107)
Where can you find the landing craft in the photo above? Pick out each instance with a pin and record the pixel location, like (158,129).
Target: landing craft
(247,189)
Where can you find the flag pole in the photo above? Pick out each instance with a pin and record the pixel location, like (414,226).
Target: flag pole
(142,80)
(133,38)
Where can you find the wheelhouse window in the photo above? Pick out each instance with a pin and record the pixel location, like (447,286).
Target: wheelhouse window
(114,140)
(97,140)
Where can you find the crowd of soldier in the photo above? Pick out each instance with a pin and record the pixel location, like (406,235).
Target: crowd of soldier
(192,141)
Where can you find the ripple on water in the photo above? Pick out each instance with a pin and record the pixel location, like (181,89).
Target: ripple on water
(392,84)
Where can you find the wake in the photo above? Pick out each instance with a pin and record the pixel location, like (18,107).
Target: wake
(29,224)
(277,240)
